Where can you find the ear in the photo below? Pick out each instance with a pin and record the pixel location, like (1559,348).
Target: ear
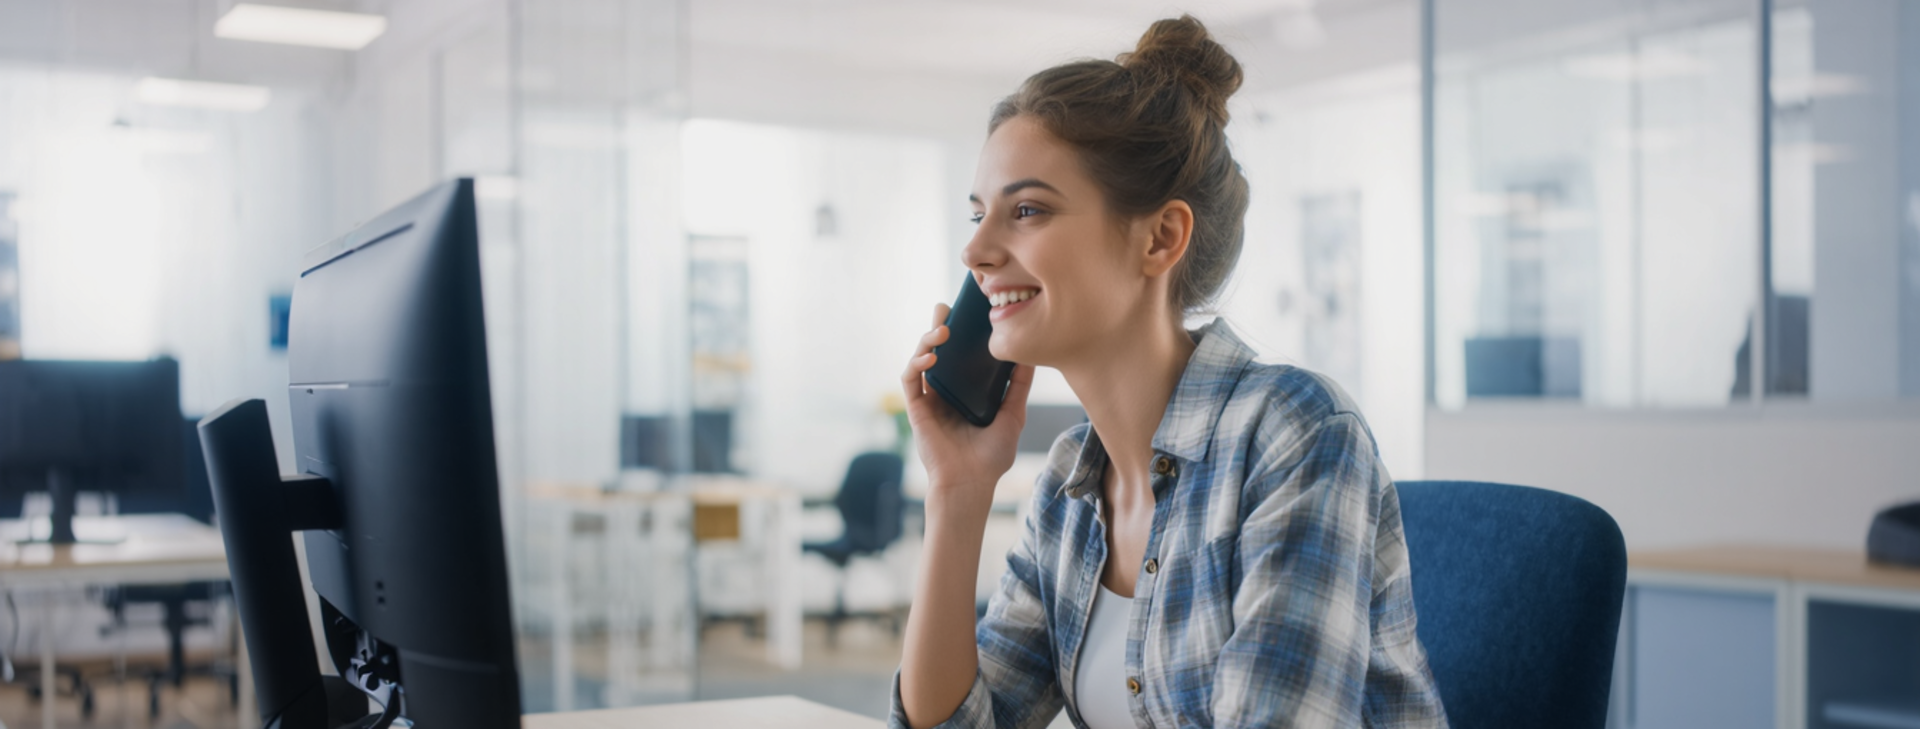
(1171,229)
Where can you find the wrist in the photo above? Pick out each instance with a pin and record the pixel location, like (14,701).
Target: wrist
(965,499)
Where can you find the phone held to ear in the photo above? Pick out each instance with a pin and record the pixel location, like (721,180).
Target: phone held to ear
(964,372)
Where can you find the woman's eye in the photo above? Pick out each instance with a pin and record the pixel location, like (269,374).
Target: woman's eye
(977,217)
(1025,211)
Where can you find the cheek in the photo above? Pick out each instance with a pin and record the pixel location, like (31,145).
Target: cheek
(1088,280)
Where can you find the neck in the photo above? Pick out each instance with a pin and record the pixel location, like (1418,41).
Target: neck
(1125,389)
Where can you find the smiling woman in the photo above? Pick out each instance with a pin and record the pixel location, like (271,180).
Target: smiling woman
(1220,545)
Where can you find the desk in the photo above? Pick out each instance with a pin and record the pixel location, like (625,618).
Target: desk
(729,510)
(1767,635)
(769,712)
(620,561)
(150,549)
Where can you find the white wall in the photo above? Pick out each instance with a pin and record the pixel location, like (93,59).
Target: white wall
(1780,475)
(1355,135)
(832,317)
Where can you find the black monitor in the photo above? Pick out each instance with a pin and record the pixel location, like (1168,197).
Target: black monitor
(396,491)
(72,426)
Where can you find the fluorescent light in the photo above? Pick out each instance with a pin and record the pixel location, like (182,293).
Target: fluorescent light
(201,94)
(300,26)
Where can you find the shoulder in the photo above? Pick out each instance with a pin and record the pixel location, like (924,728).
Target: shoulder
(1278,411)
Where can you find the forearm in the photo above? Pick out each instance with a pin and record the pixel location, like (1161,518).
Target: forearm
(940,659)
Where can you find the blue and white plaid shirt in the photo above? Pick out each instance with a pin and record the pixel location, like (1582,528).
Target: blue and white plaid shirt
(1279,593)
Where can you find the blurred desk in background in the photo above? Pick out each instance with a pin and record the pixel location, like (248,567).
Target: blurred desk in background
(763,518)
(767,712)
(610,570)
(143,549)
(1767,636)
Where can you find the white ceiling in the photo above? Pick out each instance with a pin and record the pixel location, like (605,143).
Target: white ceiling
(937,65)
(913,65)
(986,37)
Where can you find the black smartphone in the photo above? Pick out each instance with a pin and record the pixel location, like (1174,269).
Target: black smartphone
(964,373)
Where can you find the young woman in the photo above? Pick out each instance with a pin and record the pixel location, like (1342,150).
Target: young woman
(1220,546)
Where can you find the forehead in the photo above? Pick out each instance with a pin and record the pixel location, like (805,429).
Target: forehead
(1021,149)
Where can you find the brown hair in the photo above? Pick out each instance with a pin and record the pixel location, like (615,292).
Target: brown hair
(1151,128)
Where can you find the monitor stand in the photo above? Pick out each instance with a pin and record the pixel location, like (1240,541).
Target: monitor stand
(62,492)
(259,510)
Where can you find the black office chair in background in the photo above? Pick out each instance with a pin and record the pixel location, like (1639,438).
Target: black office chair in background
(870,506)
(183,606)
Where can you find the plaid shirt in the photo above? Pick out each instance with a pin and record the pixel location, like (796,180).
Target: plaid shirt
(1279,595)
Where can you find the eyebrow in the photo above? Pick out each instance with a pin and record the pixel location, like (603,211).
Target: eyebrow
(1017,186)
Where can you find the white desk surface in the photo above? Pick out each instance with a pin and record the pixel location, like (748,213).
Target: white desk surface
(767,712)
(138,549)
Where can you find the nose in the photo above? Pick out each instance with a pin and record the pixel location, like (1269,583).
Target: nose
(984,252)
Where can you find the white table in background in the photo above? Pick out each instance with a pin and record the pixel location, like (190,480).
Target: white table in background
(144,549)
(721,509)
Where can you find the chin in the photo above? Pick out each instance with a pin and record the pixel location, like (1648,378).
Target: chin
(1006,347)
(1017,345)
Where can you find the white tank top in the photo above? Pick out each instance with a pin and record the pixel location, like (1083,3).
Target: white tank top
(1100,683)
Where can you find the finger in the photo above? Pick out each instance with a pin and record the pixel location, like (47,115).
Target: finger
(940,314)
(933,338)
(911,383)
(1018,388)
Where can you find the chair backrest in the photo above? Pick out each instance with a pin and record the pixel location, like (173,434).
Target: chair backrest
(1518,592)
(870,501)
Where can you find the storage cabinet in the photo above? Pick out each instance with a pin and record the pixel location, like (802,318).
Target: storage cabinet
(1755,636)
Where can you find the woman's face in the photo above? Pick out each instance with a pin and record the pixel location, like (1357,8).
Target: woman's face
(1063,274)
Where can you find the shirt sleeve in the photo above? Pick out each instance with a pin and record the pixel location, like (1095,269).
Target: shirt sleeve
(1015,686)
(1323,614)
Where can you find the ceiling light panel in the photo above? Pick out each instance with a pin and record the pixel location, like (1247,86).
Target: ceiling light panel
(300,26)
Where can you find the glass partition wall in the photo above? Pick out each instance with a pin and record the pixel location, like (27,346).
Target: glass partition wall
(568,115)
(1615,191)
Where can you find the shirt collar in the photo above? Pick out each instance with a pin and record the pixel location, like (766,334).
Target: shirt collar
(1186,430)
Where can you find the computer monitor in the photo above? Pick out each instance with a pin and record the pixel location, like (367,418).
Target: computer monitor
(396,491)
(72,426)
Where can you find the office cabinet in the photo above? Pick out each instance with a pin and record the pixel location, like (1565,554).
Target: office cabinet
(1754,636)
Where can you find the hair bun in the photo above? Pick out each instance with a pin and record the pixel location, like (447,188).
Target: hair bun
(1180,49)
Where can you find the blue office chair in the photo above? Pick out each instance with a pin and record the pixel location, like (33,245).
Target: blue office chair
(870,505)
(1518,591)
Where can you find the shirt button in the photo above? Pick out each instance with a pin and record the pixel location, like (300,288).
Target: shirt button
(1153,565)
(1163,466)
(1133,686)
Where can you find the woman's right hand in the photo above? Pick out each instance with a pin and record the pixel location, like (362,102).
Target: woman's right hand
(962,460)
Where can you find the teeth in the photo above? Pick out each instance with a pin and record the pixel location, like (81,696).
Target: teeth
(1004,298)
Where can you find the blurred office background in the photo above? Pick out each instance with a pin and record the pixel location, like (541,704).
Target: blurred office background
(1660,254)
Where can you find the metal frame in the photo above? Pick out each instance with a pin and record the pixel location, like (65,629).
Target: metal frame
(1427,54)
(1760,351)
